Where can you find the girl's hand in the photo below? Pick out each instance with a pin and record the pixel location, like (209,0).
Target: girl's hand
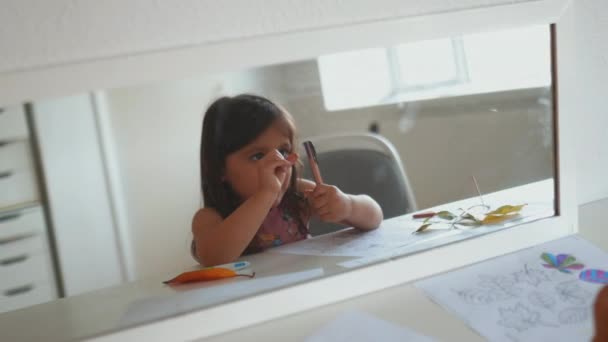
(329,203)
(273,171)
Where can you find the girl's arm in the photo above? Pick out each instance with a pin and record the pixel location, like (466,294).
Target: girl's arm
(332,205)
(221,241)
(365,214)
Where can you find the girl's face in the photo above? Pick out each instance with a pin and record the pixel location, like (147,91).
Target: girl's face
(242,166)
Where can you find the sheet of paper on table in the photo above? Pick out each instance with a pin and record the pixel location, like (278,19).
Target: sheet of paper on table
(517,298)
(393,234)
(362,327)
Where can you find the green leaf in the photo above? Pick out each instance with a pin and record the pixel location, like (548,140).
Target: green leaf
(422,228)
(469,223)
(446,215)
(469,216)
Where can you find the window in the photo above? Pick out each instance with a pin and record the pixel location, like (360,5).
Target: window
(472,64)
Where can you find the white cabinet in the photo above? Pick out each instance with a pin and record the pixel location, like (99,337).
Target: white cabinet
(79,201)
(27,274)
(13,124)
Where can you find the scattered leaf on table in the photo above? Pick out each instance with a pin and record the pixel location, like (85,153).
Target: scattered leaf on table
(206,274)
(493,219)
(507,209)
(446,215)
(469,223)
(422,228)
(469,216)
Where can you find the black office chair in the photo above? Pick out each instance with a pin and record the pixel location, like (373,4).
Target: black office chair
(361,164)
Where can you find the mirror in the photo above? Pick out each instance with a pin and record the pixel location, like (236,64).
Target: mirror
(464,125)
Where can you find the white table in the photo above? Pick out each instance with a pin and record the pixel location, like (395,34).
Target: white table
(403,304)
(106,310)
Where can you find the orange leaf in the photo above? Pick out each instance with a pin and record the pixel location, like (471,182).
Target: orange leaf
(205,274)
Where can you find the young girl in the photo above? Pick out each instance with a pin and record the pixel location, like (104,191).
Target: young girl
(253,197)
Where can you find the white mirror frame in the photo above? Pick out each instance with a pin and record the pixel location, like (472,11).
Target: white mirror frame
(277,48)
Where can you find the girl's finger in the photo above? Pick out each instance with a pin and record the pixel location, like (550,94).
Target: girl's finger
(319,191)
(292,158)
(307,194)
(318,203)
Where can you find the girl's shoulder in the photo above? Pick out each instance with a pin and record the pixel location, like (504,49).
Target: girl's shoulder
(205,217)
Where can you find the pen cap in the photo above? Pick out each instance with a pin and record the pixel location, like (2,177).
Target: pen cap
(310,150)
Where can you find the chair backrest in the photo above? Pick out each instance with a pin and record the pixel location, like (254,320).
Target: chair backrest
(362,164)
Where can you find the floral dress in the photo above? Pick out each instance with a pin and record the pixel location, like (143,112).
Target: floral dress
(277,229)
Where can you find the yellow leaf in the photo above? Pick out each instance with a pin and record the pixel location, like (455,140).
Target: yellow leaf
(493,219)
(507,209)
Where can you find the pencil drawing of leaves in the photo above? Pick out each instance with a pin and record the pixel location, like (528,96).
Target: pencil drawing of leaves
(542,300)
(503,284)
(570,292)
(532,276)
(519,318)
(477,296)
(574,315)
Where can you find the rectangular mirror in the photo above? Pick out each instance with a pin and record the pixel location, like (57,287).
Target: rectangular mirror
(460,129)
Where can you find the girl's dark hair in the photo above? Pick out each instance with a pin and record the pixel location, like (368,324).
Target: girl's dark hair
(231,123)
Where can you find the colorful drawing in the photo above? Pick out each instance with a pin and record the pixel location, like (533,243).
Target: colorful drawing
(594,276)
(562,262)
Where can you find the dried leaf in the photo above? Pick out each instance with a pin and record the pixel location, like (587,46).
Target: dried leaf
(469,223)
(494,219)
(507,209)
(446,215)
(422,228)
(205,274)
(469,216)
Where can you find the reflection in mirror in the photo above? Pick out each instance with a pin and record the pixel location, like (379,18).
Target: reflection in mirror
(452,128)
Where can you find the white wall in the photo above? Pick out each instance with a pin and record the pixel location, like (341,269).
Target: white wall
(67,31)
(590,84)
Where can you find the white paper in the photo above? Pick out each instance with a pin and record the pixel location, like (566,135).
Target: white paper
(200,295)
(362,327)
(515,298)
(392,235)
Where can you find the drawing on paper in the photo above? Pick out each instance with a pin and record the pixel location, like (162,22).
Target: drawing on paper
(516,298)
(391,238)
(521,318)
(594,276)
(572,293)
(574,315)
(542,300)
(562,262)
(532,276)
